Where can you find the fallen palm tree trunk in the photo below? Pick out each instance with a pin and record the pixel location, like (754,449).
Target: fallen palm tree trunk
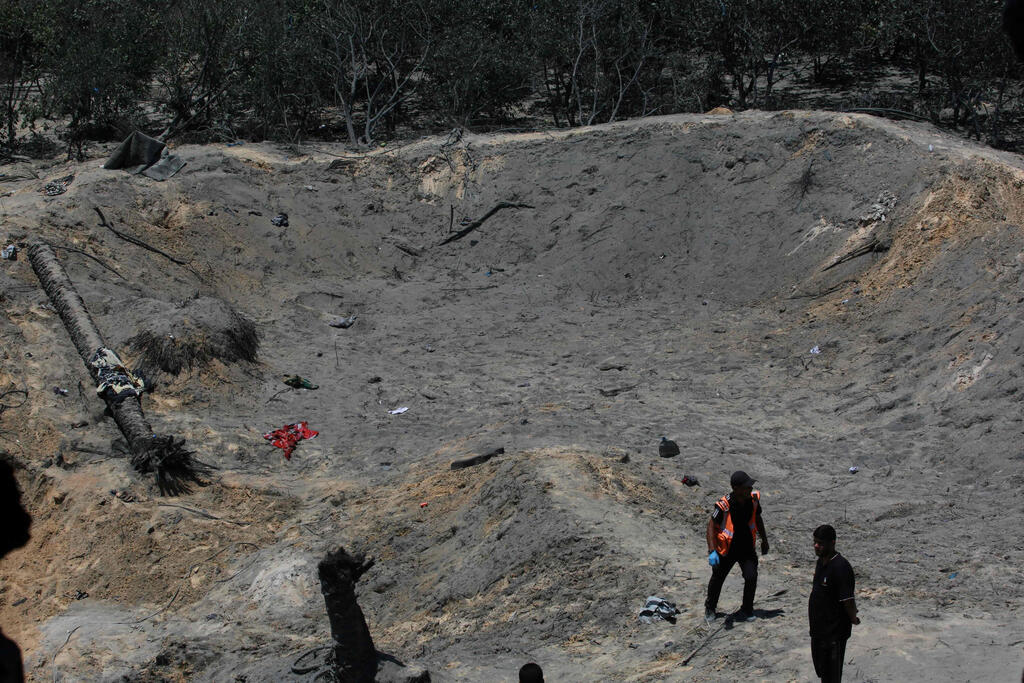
(166,456)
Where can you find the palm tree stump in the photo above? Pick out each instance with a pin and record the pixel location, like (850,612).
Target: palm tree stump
(166,456)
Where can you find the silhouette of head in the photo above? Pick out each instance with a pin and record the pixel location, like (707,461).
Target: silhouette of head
(1013,25)
(14,531)
(531,673)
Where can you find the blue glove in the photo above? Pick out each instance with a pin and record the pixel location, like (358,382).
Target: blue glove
(713,558)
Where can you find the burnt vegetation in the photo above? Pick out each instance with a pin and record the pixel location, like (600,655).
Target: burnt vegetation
(364,72)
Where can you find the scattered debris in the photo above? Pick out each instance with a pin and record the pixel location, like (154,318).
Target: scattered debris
(616,392)
(59,186)
(815,350)
(668,448)
(398,411)
(115,382)
(727,624)
(343,323)
(690,481)
(60,391)
(287,437)
(134,240)
(9,253)
(139,153)
(854,470)
(408,249)
(476,459)
(297,382)
(480,221)
(280,220)
(658,609)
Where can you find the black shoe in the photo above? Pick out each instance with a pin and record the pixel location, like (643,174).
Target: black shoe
(710,615)
(744,615)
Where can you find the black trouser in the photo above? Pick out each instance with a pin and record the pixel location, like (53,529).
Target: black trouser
(828,655)
(748,565)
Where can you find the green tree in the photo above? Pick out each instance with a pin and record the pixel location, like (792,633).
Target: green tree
(19,63)
(99,61)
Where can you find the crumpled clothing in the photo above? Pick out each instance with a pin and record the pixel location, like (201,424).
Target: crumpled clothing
(657,609)
(288,436)
(114,380)
(56,187)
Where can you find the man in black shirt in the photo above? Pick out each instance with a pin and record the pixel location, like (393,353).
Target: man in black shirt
(831,609)
(732,530)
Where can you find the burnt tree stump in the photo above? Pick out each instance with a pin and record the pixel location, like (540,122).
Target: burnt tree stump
(355,657)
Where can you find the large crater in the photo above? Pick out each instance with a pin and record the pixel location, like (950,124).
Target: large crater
(791,294)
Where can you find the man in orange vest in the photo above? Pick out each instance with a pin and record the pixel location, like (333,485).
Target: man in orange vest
(732,534)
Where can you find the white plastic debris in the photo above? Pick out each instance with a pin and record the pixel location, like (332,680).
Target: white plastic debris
(9,253)
(854,470)
(398,411)
(343,322)
(815,351)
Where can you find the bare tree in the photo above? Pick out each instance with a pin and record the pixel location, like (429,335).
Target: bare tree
(374,57)
(205,57)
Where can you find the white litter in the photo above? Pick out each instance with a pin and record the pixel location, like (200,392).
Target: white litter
(343,322)
(815,351)
(398,411)
(854,470)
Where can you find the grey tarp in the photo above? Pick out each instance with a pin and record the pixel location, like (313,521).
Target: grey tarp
(140,153)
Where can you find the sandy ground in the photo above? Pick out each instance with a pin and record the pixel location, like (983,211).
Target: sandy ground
(666,277)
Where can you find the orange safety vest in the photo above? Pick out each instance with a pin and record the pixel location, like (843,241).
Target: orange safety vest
(723,539)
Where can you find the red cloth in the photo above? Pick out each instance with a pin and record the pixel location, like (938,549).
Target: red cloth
(286,437)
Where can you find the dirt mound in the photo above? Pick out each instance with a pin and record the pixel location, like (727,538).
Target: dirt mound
(188,335)
(792,294)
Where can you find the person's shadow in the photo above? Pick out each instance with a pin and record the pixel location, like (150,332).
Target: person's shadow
(13,534)
(769,613)
(734,618)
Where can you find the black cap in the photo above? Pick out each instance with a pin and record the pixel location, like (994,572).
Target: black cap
(741,478)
